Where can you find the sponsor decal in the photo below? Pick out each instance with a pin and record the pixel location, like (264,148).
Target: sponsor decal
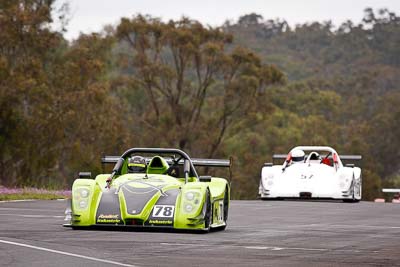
(303,176)
(109,218)
(160,221)
(220,211)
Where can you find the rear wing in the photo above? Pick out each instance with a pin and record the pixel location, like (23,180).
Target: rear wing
(343,157)
(279,156)
(196,161)
(350,157)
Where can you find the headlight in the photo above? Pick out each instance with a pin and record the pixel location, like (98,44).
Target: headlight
(270,183)
(84,193)
(82,204)
(188,208)
(191,201)
(81,197)
(189,196)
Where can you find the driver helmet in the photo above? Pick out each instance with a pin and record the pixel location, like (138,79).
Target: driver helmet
(137,164)
(298,156)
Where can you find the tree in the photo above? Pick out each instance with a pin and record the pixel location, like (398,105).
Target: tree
(185,70)
(250,19)
(384,134)
(26,45)
(92,119)
(55,99)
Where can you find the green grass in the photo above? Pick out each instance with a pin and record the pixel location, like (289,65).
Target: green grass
(32,193)
(30,196)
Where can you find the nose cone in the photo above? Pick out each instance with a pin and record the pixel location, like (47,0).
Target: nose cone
(137,194)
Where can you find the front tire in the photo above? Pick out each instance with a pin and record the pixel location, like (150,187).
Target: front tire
(226,209)
(208,213)
(353,199)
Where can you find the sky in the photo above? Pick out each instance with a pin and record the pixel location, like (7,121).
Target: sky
(91,15)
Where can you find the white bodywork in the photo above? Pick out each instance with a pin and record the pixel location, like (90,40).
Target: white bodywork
(311,178)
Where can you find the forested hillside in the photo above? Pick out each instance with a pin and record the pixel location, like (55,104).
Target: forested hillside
(247,89)
(356,66)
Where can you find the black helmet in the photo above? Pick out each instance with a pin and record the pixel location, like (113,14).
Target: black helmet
(137,164)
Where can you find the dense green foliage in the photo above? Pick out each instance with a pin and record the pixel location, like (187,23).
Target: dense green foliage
(247,89)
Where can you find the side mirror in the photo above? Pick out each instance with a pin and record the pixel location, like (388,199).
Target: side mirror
(205,178)
(85,175)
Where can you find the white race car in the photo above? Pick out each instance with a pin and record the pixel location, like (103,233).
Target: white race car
(312,172)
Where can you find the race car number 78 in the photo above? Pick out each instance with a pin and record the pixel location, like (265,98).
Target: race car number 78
(163,211)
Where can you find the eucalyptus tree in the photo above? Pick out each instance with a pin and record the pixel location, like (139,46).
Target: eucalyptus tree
(197,84)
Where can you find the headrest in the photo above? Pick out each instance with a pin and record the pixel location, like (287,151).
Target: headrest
(157,165)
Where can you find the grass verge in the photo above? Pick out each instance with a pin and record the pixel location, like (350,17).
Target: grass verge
(32,193)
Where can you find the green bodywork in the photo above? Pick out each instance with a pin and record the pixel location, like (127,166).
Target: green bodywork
(189,204)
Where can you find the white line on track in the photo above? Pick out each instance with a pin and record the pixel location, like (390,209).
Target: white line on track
(65,253)
(288,248)
(32,216)
(17,200)
(365,226)
(321,226)
(28,209)
(249,247)
(351,226)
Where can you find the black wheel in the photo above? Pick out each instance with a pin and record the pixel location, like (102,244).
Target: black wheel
(226,205)
(208,214)
(226,208)
(353,199)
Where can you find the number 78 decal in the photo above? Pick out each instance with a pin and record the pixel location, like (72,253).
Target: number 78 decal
(163,211)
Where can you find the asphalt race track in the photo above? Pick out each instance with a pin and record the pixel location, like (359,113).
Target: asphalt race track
(260,233)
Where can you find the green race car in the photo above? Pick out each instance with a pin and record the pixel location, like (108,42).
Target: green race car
(151,187)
